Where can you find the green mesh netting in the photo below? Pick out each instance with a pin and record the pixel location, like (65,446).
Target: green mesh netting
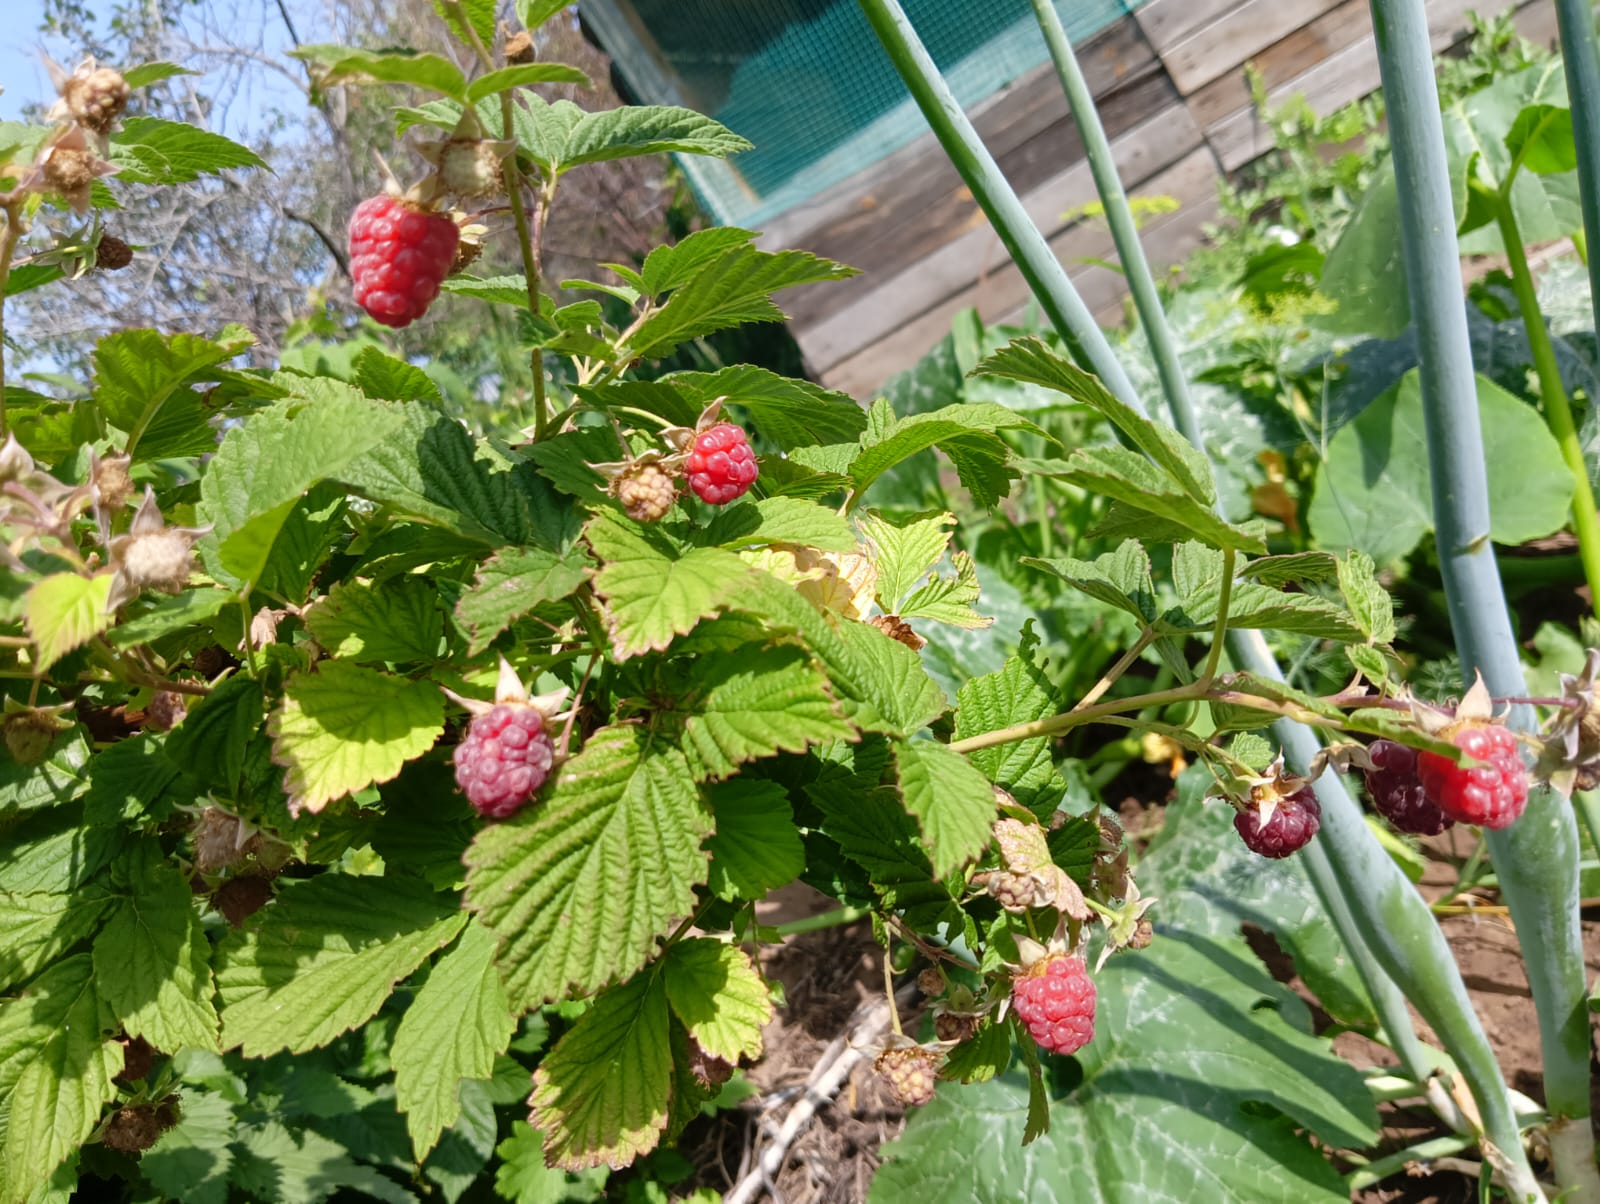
(807,82)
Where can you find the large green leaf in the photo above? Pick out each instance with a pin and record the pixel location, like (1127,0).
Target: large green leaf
(1374,490)
(653,591)
(35,929)
(965,432)
(718,996)
(56,1068)
(513,582)
(756,847)
(152,150)
(65,611)
(781,520)
(265,466)
(1020,692)
(731,290)
(601,1094)
(1030,361)
(740,708)
(454,1028)
(137,372)
(345,727)
(396,621)
(324,957)
(192,1159)
(578,888)
(153,961)
(340,64)
(953,802)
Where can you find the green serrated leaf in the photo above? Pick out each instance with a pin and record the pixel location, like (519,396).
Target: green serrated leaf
(731,290)
(1369,602)
(965,432)
(1120,578)
(57,779)
(138,372)
(951,800)
(646,130)
(38,928)
(397,621)
(523,1178)
(340,64)
(719,997)
(452,1031)
(767,701)
(983,1056)
(498,290)
(1019,692)
(56,1068)
(273,1163)
(213,740)
(167,615)
(521,76)
(265,466)
(1369,662)
(344,727)
(383,376)
(651,591)
(512,583)
(324,957)
(146,74)
(1541,140)
(785,520)
(153,963)
(151,150)
(904,553)
(65,611)
(756,847)
(601,1093)
(191,1160)
(1030,361)
(578,889)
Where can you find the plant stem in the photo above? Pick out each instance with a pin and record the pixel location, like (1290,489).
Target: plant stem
(1046,278)
(1580,57)
(1537,857)
(1219,634)
(1146,638)
(1119,215)
(8,248)
(836,918)
(1557,411)
(1381,1168)
(531,262)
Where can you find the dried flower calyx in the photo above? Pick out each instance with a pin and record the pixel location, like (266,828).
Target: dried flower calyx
(151,555)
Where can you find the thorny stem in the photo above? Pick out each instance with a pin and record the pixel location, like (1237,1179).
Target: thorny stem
(1229,555)
(8,248)
(1557,410)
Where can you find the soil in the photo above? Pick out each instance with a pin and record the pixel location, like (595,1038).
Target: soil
(830,977)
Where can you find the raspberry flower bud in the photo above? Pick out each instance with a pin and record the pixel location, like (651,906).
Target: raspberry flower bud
(151,555)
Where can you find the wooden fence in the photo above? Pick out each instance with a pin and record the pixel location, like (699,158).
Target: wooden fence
(1173,92)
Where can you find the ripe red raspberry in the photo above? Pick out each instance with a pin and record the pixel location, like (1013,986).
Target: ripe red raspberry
(1294,821)
(1397,792)
(1055,999)
(1492,794)
(504,759)
(399,255)
(721,465)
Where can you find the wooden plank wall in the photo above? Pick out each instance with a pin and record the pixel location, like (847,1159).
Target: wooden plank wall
(1172,88)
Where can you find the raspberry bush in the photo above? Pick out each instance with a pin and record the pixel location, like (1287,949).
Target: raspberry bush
(376,787)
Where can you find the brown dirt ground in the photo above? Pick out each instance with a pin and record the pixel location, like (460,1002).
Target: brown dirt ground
(826,975)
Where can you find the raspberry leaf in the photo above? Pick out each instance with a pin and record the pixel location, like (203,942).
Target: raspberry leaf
(521,76)
(953,803)
(324,958)
(345,727)
(737,709)
(399,621)
(578,888)
(192,1160)
(1369,602)
(781,520)
(455,1026)
(1018,693)
(65,611)
(56,1066)
(904,551)
(965,432)
(1120,578)
(151,150)
(40,927)
(341,64)
(602,1094)
(138,372)
(510,584)
(1030,361)
(634,130)
(756,847)
(651,590)
(719,997)
(153,962)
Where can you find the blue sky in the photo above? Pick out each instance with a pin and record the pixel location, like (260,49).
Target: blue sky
(21,71)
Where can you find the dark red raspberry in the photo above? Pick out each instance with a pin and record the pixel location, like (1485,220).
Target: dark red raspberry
(1055,999)
(1294,821)
(1397,792)
(399,255)
(721,465)
(1491,794)
(504,759)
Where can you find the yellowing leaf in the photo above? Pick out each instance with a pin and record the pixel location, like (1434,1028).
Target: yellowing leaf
(344,727)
